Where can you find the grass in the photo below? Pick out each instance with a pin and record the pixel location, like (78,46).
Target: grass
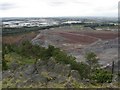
(19,59)
(77,26)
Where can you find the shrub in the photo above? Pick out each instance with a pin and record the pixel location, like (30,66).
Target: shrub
(102,76)
(4,65)
(92,60)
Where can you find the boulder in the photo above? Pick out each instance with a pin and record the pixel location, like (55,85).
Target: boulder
(75,75)
(69,85)
(30,70)
(7,74)
(66,70)
(40,63)
(36,78)
(50,65)
(61,79)
(58,68)
(14,65)
(53,75)
(42,68)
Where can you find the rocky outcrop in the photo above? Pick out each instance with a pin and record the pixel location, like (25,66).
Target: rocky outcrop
(46,73)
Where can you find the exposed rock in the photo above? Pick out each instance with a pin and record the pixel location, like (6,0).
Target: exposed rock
(58,68)
(14,65)
(66,70)
(69,85)
(61,79)
(7,74)
(40,63)
(42,73)
(50,65)
(53,75)
(75,75)
(36,78)
(29,70)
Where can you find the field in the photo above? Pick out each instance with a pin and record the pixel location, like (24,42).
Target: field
(16,39)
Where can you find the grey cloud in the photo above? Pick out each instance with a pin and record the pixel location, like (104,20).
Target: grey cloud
(56,3)
(80,2)
(7,6)
(111,8)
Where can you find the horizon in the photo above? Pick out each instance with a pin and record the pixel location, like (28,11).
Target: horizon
(67,17)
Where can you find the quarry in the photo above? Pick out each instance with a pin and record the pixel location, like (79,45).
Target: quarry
(78,41)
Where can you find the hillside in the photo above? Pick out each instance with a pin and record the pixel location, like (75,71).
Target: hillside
(28,65)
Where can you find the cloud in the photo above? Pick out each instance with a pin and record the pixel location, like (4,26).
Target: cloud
(56,3)
(7,6)
(82,2)
(51,8)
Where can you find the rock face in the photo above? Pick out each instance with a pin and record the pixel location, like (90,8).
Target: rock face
(42,74)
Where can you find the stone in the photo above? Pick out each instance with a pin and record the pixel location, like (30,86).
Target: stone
(61,79)
(69,85)
(42,68)
(30,70)
(58,68)
(14,65)
(66,70)
(7,74)
(51,65)
(36,78)
(75,75)
(53,75)
(40,63)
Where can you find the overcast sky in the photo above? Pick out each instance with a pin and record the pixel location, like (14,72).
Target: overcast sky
(56,8)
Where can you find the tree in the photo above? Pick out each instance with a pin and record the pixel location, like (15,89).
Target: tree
(83,70)
(92,60)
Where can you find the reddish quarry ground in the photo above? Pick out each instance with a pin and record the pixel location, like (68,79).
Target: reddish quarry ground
(78,38)
(85,37)
(102,35)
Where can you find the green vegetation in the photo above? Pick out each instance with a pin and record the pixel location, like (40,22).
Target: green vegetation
(102,76)
(18,30)
(28,53)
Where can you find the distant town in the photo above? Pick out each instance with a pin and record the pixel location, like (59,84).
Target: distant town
(42,22)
